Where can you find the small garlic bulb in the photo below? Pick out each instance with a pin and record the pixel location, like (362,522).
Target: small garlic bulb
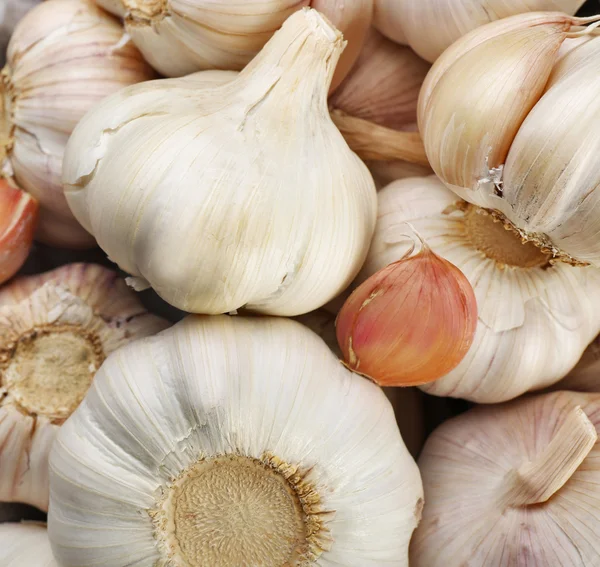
(247,432)
(44,91)
(509,131)
(179,37)
(11,12)
(535,318)
(18,217)
(55,331)
(431,26)
(25,545)
(514,484)
(221,197)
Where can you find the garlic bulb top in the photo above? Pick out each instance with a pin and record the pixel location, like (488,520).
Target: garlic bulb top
(246,432)
(534,318)
(220,197)
(179,37)
(514,484)
(44,92)
(25,545)
(431,26)
(55,331)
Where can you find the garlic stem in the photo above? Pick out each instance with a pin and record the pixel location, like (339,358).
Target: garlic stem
(536,481)
(371,141)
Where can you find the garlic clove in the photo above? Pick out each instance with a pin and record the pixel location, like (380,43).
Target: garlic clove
(18,216)
(25,544)
(39,111)
(55,331)
(239,195)
(513,484)
(388,20)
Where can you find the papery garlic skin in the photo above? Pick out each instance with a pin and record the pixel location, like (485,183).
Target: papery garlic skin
(535,319)
(226,392)
(473,516)
(25,545)
(11,11)
(244,194)
(51,326)
(45,93)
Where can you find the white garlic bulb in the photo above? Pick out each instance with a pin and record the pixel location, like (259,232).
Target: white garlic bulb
(25,545)
(513,485)
(246,432)
(534,318)
(227,196)
(44,92)
(11,11)
(55,331)
(179,37)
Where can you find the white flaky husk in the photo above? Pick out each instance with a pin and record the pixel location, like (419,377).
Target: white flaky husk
(262,389)
(533,323)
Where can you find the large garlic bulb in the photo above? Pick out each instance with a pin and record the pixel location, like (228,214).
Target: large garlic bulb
(11,11)
(509,130)
(44,92)
(227,196)
(56,329)
(25,545)
(513,485)
(228,441)
(534,318)
(179,37)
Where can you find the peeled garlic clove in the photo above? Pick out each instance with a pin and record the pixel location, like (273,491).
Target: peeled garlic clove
(45,91)
(535,318)
(238,195)
(477,95)
(55,331)
(18,216)
(25,544)
(410,323)
(513,484)
(245,431)
(388,20)
(431,26)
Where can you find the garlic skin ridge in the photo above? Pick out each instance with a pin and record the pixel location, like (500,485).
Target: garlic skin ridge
(44,92)
(534,321)
(25,545)
(55,331)
(244,194)
(219,391)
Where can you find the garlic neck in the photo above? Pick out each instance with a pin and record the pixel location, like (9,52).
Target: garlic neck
(536,481)
(145,10)
(48,370)
(261,512)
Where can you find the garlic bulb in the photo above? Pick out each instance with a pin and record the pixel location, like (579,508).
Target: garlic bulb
(25,545)
(179,37)
(507,132)
(55,331)
(245,432)
(227,196)
(45,91)
(18,216)
(535,318)
(11,11)
(431,26)
(514,484)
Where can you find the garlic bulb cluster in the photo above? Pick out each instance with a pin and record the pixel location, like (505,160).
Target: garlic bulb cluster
(179,37)
(25,545)
(246,432)
(510,131)
(18,217)
(535,318)
(44,91)
(431,26)
(11,11)
(221,197)
(55,331)
(513,484)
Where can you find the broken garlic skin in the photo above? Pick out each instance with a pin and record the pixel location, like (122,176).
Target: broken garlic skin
(84,308)
(534,321)
(465,465)
(25,545)
(47,91)
(255,390)
(244,194)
